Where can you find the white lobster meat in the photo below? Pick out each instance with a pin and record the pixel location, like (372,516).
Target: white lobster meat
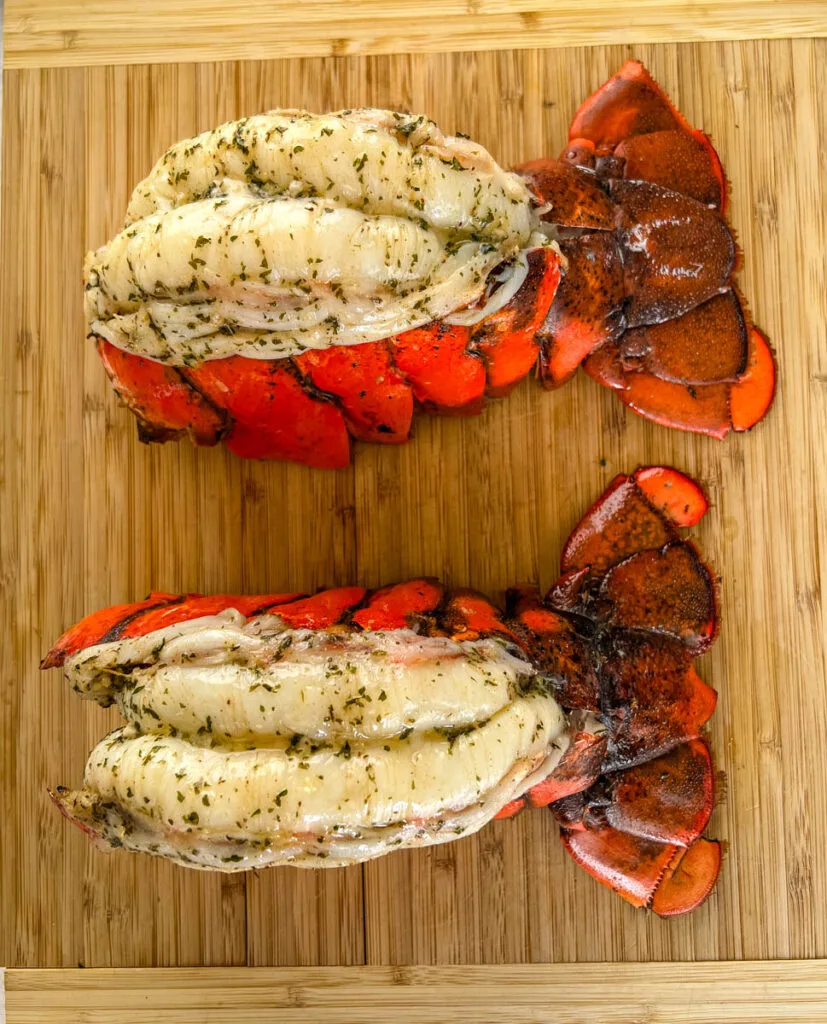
(248,745)
(290,231)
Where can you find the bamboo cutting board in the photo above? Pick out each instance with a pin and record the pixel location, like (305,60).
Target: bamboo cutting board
(91,517)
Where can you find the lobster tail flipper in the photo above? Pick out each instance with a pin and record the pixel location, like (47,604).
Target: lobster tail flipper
(638,605)
(631,128)
(646,239)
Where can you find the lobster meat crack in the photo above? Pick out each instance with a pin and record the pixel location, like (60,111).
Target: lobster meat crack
(328,730)
(290,282)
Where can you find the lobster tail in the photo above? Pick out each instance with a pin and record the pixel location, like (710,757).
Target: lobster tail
(595,677)
(648,307)
(619,631)
(637,289)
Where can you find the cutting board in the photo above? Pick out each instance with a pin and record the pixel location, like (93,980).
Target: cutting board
(92,517)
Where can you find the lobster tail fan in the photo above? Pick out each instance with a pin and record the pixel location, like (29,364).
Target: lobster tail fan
(641,194)
(646,604)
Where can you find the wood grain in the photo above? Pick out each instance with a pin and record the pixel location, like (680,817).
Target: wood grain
(704,993)
(91,517)
(63,33)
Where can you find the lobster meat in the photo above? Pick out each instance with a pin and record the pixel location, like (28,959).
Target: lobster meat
(290,282)
(327,730)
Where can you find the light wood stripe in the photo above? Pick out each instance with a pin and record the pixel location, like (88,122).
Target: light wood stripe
(704,993)
(60,33)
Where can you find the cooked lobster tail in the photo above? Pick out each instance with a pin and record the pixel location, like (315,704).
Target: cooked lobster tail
(638,290)
(611,645)
(647,305)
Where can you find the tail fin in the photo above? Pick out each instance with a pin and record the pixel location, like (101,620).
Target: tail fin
(641,194)
(635,605)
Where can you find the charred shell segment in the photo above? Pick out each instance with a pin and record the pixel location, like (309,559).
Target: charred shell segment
(334,728)
(376,400)
(558,649)
(577,769)
(156,612)
(652,698)
(469,614)
(576,199)
(324,609)
(445,376)
(102,671)
(165,404)
(664,255)
(95,627)
(273,414)
(193,606)
(509,339)
(400,605)
(587,309)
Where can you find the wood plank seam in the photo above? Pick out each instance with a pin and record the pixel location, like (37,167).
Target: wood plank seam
(62,33)
(703,993)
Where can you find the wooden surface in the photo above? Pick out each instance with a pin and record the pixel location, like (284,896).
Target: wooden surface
(704,993)
(60,33)
(91,517)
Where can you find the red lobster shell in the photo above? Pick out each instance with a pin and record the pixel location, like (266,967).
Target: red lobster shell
(643,300)
(613,642)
